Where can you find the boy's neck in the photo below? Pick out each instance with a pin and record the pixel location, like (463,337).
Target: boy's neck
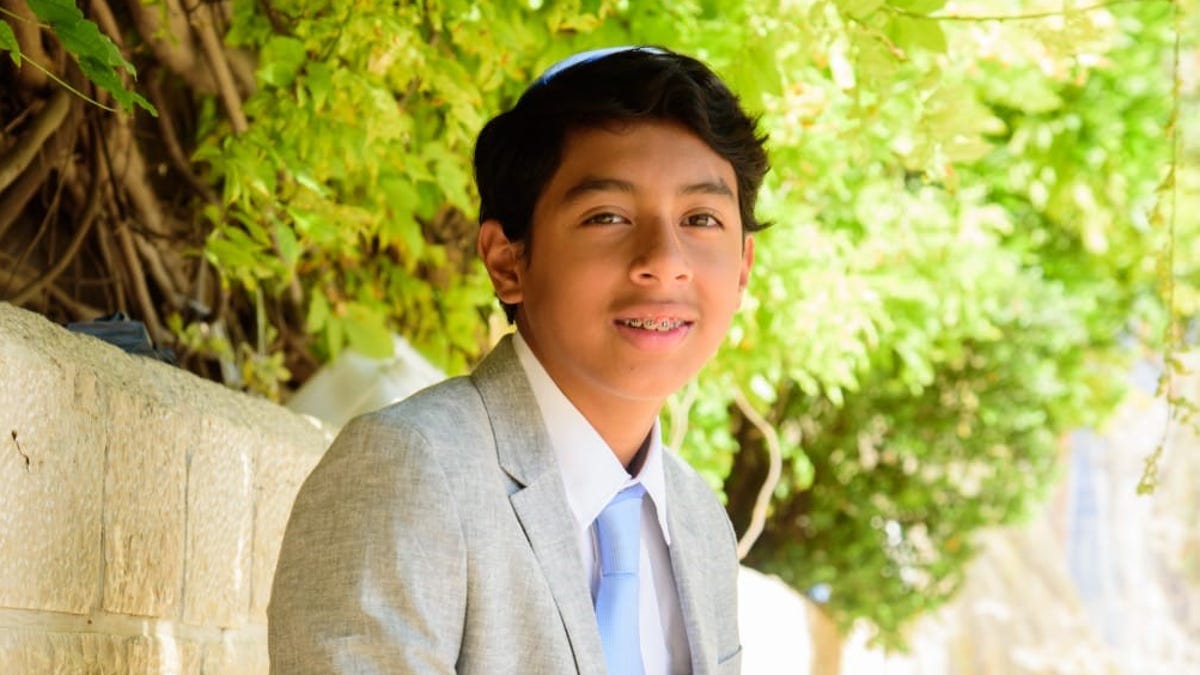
(624,428)
(624,423)
(634,467)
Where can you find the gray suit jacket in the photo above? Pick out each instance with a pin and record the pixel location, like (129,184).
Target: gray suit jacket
(434,536)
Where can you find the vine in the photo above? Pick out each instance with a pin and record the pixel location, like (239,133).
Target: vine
(1181,411)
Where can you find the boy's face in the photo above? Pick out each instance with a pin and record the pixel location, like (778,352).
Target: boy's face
(637,263)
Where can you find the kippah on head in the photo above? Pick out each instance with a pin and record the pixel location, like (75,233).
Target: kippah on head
(588,57)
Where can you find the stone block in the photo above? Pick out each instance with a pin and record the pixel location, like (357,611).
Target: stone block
(145,502)
(37,652)
(52,421)
(220,503)
(32,651)
(282,467)
(154,654)
(237,654)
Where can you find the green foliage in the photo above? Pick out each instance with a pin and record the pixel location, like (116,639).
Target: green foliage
(8,43)
(962,268)
(97,56)
(354,176)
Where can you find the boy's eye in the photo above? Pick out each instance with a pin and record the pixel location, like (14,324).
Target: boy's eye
(606,218)
(702,220)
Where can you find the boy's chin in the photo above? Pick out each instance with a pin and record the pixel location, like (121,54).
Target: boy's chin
(652,388)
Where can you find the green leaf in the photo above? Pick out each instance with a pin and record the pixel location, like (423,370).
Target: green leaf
(96,54)
(908,32)
(319,80)
(106,78)
(280,60)
(858,9)
(83,38)
(289,248)
(366,333)
(318,312)
(335,337)
(8,42)
(918,6)
(55,11)
(231,258)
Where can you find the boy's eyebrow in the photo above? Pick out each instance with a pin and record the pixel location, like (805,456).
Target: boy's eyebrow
(599,184)
(708,187)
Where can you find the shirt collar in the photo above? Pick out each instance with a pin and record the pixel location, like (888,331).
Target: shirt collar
(590,471)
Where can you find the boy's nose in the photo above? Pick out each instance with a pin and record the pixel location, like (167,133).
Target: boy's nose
(660,255)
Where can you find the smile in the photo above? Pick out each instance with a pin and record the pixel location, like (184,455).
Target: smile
(662,325)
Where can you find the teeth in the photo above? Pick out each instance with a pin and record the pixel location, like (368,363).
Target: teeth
(660,325)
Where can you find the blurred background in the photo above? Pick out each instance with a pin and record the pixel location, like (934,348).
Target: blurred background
(954,419)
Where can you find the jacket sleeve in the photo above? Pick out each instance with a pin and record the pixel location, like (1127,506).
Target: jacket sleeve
(372,571)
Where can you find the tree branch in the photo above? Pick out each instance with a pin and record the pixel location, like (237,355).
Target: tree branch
(214,53)
(165,28)
(79,309)
(13,200)
(51,210)
(108,23)
(132,175)
(170,286)
(274,17)
(90,211)
(29,38)
(43,127)
(1014,17)
(166,127)
(758,517)
(110,263)
(138,278)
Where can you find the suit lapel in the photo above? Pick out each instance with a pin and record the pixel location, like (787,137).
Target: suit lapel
(550,529)
(688,559)
(539,500)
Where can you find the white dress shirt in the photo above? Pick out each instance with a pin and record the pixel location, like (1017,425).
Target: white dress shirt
(592,476)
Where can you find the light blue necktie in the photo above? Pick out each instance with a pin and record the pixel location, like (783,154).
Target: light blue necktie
(618,541)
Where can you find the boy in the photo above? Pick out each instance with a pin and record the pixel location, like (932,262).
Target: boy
(527,519)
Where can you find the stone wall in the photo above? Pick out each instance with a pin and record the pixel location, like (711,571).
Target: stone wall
(141,509)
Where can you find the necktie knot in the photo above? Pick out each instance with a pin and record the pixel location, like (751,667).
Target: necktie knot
(618,532)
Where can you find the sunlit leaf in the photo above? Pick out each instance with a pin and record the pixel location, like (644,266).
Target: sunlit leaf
(280,60)
(366,333)
(98,57)
(8,43)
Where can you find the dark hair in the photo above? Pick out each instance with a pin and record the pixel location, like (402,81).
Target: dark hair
(518,151)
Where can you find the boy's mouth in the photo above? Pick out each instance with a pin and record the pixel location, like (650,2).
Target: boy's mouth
(658,324)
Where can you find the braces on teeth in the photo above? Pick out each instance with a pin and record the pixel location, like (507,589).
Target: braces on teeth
(654,324)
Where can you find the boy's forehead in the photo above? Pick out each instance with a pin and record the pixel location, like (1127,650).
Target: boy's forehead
(624,138)
(622,156)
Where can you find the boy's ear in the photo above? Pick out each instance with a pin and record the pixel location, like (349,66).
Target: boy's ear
(503,260)
(747,262)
